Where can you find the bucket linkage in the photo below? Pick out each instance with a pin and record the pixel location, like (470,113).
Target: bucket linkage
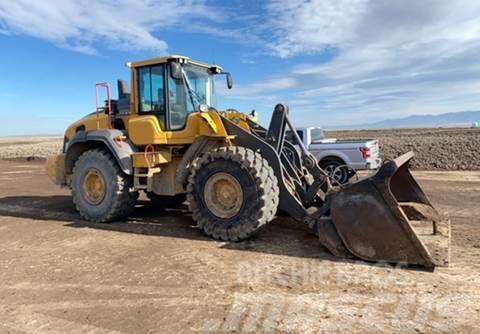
(384,217)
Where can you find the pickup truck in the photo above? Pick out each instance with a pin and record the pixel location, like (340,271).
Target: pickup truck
(340,158)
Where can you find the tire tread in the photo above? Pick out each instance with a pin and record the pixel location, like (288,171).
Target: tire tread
(124,200)
(266,187)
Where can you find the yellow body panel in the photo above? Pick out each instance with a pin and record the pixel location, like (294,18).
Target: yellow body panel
(239,118)
(150,159)
(90,122)
(146,130)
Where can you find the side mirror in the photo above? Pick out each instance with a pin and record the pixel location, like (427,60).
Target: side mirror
(175,70)
(229,81)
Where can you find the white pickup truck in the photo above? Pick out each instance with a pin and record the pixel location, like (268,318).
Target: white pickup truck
(339,157)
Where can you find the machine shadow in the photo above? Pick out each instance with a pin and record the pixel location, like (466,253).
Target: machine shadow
(283,236)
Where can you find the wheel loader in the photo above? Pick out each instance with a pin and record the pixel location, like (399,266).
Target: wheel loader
(163,136)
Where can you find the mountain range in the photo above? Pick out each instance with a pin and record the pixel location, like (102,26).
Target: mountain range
(462,118)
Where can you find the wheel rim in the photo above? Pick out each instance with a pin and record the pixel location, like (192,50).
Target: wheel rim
(335,173)
(93,186)
(223,195)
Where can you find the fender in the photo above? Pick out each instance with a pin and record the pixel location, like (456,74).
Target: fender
(122,150)
(320,155)
(201,144)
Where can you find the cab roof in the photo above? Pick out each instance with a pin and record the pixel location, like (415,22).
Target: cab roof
(179,58)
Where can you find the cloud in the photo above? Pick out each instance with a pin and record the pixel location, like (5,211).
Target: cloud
(262,87)
(391,58)
(84,25)
(312,26)
(384,58)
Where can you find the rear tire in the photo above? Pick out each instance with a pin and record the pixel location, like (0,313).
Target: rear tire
(232,192)
(100,190)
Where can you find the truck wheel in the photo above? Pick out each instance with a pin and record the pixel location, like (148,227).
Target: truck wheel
(100,190)
(336,170)
(232,192)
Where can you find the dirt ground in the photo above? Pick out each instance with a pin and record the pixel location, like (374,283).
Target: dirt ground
(156,272)
(435,148)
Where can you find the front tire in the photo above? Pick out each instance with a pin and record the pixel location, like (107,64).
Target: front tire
(100,190)
(232,192)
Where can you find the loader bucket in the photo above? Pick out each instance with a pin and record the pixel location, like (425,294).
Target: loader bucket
(387,217)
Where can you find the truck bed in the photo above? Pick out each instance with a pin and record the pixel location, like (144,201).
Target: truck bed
(341,141)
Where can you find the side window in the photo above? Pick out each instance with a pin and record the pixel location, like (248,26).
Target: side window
(289,136)
(300,134)
(180,103)
(144,90)
(151,96)
(158,100)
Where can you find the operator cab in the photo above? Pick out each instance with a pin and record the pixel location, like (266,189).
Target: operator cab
(169,87)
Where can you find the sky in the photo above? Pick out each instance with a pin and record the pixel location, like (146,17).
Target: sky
(334,62)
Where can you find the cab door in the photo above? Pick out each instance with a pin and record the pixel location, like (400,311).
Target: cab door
(151,93)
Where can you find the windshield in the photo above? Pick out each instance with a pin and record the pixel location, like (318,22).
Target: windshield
(195,87)
(199,84)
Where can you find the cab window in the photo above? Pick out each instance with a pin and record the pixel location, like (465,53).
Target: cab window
(180,103)
(186,94)
(151,93)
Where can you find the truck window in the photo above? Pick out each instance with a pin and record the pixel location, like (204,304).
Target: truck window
(300,134)
(317,134)
(290,138)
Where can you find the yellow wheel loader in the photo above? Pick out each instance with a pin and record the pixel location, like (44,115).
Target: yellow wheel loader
(163,136)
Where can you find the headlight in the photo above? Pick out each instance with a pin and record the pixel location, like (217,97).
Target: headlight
(203,108)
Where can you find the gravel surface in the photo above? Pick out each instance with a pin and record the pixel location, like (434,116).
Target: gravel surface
(29,147)
(440,148)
